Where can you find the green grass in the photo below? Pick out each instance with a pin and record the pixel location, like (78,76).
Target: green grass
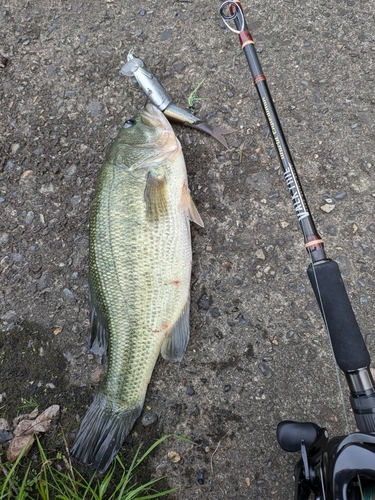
(193,97)
(21,482)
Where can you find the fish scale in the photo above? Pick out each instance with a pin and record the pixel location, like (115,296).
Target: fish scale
(140,266)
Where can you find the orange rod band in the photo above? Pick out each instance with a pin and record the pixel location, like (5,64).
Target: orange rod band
(247,43)
(259,78)
(314,242)
(245,37)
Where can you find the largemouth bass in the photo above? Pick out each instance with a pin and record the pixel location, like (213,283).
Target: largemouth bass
(139,275)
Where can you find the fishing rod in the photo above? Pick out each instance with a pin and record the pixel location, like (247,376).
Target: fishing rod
(337,468)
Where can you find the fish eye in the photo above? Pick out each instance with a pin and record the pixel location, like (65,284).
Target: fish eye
(129,123)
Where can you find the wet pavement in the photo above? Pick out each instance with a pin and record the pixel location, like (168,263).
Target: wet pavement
(258,351)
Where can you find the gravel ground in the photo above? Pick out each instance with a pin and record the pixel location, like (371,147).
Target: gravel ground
(258,351)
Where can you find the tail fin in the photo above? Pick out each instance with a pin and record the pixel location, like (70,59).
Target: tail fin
(102,433)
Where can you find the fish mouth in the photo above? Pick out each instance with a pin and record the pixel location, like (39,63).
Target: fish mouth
(151,116)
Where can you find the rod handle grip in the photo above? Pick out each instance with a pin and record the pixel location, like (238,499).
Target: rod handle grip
(348,345)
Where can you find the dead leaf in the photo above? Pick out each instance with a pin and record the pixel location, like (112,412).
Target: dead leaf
(17,445)
(27,427)
(174,457)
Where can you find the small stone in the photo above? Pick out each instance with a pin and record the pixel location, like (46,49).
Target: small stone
(17,257)
(71,170)
(259,254)
(43,282)
(227,388)
(14,148)
(68,294)
(179,66)
(265,369)
(190,390)
(149,418)
(340,196)
(215,313)
(4,237)
(26,176)
(204,302)
(166,34)
(174,457)
(29,217)
(46,189)
(327,208)
(75,200)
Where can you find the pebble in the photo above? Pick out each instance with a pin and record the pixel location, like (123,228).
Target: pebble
(190,390)
(71,170)
(259,254)
(149,418)
(204,302)
(327,208)
(68,294)
(29,217)
(266,370)
(14,148)
(166,34)
(340,196)
(43,282)
(227,388)
(46,189)
(4,237)
(215,313)
(17,257)
(76,200)
(179,66)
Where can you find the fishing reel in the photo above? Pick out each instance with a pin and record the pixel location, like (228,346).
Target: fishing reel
(342,468)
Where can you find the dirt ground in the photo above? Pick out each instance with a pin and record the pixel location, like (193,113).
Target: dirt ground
(258,351)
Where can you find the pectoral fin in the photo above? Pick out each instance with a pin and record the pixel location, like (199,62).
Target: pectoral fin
(175,343)
(156,196)
(189,205)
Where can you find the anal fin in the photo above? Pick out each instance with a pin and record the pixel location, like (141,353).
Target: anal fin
(189,205)
(175,343)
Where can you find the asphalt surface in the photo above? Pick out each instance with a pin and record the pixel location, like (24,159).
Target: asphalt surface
(258,351)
